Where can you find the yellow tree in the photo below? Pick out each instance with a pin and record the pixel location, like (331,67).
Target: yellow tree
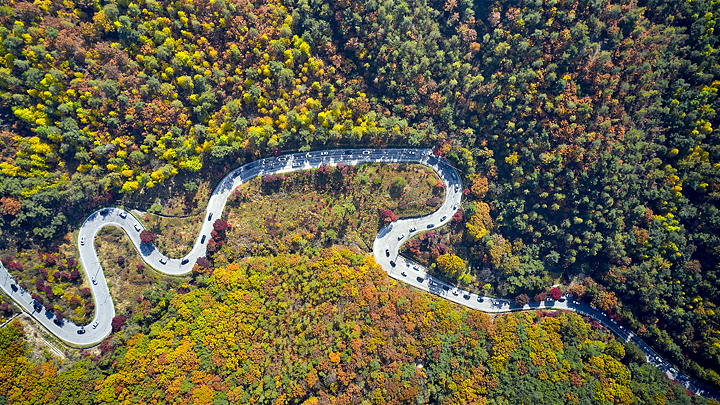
(450,264)
(480,223)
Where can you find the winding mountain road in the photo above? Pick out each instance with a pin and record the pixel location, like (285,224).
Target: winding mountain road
(385,249)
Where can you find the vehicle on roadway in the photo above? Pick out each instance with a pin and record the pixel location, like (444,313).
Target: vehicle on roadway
(413,229)
(348,152)
(446,287)
(282,159)
(420,279)
(443,218)
(387,252)
(123,214)
(94,281)
(392,263)
(163,260)
(81,331)
(457,188)
(203,239)
(480,299)
(137,227)
(404,274)
(308,155)
(14,287)
(184,261)
(324,153)
(454,176)
(210,216)
(366,152)
(466,296)
(455,292)
(401,236)
(95,324)
(82,241)
(430,226)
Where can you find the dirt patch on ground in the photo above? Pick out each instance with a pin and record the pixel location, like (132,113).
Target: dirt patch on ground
(42,346)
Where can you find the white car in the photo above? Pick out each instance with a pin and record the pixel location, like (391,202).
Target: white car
(366,152)
(94,281)
(413,229)
(401,236)
(95,325)
(163,260)
(137,227)
(82,241)
(123,215)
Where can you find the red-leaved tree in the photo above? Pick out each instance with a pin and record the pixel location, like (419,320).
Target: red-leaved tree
(555,294)
(147,236)
(388,216)
(118,322)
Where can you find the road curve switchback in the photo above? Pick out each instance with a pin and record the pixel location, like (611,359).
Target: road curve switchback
(385,249)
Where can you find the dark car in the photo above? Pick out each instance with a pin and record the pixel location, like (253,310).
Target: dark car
(210,216)
(392,263)
(203,239)
(348,152)
(387,252)
(446,288)
(430,226)
(420,279)
(81,331)
(184,261)
(37,307)
(14,287)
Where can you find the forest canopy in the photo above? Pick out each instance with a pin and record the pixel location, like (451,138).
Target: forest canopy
(585,132)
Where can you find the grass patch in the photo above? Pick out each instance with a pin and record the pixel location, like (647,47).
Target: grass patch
(312,209)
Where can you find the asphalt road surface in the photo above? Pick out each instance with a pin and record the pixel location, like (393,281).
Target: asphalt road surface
(385,248)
